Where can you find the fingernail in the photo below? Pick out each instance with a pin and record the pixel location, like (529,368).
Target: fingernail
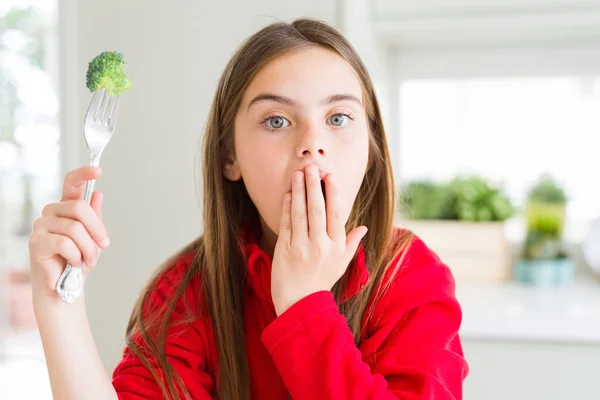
(298,176)
(93,263)
(105,242)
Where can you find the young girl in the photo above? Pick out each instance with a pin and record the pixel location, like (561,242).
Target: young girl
(285,295)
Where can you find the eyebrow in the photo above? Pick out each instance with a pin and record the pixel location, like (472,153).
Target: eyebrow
(335,98)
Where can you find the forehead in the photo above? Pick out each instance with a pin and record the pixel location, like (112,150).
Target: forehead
(307,76)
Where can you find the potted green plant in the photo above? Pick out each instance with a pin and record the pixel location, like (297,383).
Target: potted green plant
(544,259)
(462,220)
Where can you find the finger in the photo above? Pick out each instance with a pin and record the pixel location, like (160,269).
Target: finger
(285,224)
(317,221)
(75,231)
(353,240)
(299,220)
(81,211)
(336,226)
(96,202)
(74,185)
(63,246)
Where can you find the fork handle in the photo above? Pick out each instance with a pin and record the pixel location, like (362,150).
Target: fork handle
(70,283)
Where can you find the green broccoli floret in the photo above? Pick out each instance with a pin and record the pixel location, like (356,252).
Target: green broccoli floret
(106,72)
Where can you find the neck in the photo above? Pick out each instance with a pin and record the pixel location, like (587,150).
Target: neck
(268,239)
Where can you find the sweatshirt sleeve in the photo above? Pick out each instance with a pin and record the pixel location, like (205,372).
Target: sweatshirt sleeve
(186,351)
(411,351)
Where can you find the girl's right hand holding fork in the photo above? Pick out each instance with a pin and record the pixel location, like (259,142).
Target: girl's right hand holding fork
(70,230)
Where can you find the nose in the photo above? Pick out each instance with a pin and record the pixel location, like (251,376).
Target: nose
(311,143)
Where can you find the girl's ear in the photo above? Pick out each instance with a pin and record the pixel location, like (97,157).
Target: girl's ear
(232,169)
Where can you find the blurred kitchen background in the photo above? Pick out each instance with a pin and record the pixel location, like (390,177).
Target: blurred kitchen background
(493,119)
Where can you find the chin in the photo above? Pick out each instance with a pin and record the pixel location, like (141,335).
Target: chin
(270,224)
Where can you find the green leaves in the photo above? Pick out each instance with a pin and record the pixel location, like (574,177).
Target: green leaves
(427,200)
(546,190)
(478,201)
(464,198)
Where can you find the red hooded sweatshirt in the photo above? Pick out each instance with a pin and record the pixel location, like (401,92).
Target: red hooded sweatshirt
(410,350)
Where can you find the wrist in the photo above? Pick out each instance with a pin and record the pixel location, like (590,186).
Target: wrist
(41,290)
(47,304)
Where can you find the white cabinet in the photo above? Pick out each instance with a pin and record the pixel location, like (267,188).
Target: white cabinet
(526,343)
(503,370)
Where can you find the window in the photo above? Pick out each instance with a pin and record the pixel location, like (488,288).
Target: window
(29,178)
(507,129)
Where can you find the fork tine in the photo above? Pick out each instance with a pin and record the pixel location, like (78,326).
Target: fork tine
(114,112)
(105,107)
(101,105)
(94,104)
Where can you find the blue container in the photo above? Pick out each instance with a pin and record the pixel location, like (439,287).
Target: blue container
(545,272)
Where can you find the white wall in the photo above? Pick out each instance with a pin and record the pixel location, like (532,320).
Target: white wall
(175,54)
(439,23)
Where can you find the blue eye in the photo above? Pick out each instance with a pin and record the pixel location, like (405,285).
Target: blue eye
(339,119)
(276,122)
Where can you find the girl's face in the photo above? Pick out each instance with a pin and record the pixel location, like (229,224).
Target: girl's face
(302,108)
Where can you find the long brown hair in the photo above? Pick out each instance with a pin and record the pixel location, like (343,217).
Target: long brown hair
(220,263)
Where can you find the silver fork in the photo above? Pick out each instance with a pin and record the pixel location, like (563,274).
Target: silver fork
(98,128)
